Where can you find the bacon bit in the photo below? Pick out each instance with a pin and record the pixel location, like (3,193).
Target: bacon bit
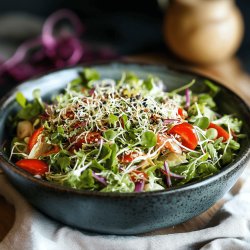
(79,124)
(70,114)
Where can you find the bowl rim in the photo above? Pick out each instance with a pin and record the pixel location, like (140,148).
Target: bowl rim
(241,158)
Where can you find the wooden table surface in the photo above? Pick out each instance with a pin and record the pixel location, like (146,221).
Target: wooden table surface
(230,73)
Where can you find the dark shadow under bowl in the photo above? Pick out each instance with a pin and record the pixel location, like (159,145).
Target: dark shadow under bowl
(128,213)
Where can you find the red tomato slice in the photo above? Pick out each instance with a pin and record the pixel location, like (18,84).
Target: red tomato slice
(221,131)
(186,132)
(33,166)
(137,175)
(181,113)
(127,157)
(34,137)
(92,137)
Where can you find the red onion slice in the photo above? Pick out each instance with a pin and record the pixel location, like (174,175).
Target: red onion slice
(50,51)
(168,179)
(188,97)
(99,178)
(21,53)
(48,38)
(139,186)
(168,121)
(176,176)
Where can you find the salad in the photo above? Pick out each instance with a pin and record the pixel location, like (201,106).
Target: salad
(125,135)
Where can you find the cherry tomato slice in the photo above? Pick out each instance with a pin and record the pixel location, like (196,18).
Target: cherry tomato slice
(127,157)
(34,137)
(182,113)
(221,131)
(186,132)
(33,166)
(92,137)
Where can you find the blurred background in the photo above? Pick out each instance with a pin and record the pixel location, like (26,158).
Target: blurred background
(107,30)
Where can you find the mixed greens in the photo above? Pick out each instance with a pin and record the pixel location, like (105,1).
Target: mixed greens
(125,135)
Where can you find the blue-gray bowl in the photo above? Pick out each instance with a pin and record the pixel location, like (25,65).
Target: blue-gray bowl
(123,213)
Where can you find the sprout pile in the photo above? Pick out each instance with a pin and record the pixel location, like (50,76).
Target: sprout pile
(125,135)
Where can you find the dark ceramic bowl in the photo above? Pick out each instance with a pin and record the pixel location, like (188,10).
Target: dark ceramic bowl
(127,213)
